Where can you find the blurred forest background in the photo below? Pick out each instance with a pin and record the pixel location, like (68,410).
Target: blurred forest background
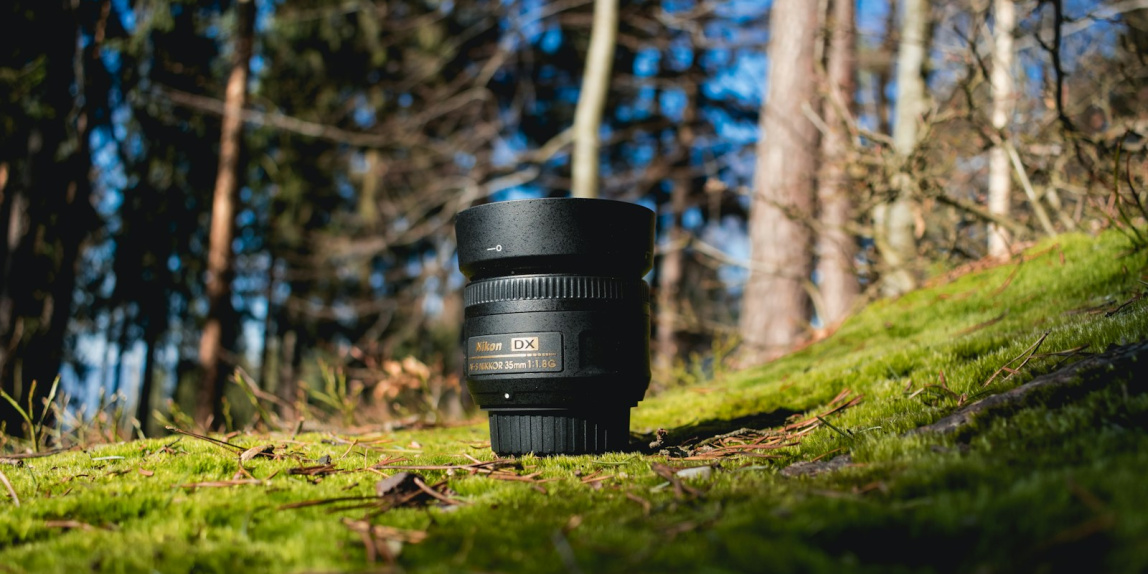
(191,187)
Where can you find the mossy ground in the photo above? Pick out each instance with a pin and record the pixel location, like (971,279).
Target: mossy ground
(1050,487)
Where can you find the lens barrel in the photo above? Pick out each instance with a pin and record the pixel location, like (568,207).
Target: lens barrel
(557,329)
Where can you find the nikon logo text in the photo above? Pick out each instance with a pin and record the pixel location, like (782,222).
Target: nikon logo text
(524,343)
(487,346)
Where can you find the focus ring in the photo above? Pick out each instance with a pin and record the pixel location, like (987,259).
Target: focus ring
(533,287)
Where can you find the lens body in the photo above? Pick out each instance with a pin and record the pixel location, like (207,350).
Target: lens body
(557,329)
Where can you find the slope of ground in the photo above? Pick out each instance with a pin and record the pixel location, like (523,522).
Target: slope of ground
(936,432)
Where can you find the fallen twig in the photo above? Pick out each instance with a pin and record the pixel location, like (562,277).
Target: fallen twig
(324,501)
(11,491)
(671,474)
(24,455)
(220,483)
(68,524)
(223,443)
(1125,304)
(435,494)
(642,501)
(378,539)
(488,466)
(316,470)
(1026,355)
(834,428)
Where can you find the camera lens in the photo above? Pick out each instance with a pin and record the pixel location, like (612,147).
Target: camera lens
(557,329)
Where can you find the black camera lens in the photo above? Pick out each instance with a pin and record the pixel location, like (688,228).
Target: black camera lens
(557,328)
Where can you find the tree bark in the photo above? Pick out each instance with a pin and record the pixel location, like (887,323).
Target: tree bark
(218,332)
(836,247)
(147,379)
(289,362)
(670,279)
(592,98)
(887,53)
(1000,172)
(893,221)
(269,327)
(50,213)
(670,269)
(775,303)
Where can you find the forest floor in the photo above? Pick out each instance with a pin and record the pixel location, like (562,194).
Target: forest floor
(995,420)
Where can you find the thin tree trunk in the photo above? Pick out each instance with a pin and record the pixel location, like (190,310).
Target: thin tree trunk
(218,330)
(670,269)
(669,282)
(143,404)
(888,49)
(56,212)
(775,304)
(121,348)
(1000,172)
(893,221)
(835,245)
(268,330)
(14,206)
(288,374)
(592,98)
(5,221)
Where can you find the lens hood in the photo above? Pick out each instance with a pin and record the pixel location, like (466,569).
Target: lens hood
(565,235)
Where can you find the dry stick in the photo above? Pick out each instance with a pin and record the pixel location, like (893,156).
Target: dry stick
(323,501)
(23,455)
(825,454)
(839,431)
(254,394)
(489,465)
(11,491)
(1009,279)
(67,524)
(1026,354)
(1064,353)
(980,212)
(642,501)
(1132,185)
(1134,299)
(1041,214)
(435,494)
(241,451)
(238,449)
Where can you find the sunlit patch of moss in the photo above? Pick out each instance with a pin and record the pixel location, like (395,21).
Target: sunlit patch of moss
(1036,489)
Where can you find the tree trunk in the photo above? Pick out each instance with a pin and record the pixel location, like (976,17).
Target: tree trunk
(670,268)
(143,404)
(835,245)
(218,332)
(775,303)
(266,357)
(893,221)
(669,282)
(12,219)
(1000,172)
(592,98)
(122,342)
(51,213)
(885,57)
(288,374)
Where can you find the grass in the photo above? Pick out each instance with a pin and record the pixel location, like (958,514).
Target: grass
(1057,485)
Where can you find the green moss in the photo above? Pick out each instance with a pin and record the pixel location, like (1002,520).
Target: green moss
(1047,488)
